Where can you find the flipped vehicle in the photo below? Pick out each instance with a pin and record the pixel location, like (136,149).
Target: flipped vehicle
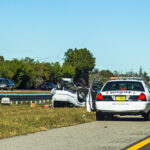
(48,86)
(6,84)
(68,94)
(127,96)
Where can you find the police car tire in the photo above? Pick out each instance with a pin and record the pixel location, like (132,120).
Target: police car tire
(99,116)
(108,117)
(147,116)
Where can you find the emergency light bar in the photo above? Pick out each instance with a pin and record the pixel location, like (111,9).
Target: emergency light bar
(136,78)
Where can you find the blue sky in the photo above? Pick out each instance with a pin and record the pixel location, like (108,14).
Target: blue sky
(117,32)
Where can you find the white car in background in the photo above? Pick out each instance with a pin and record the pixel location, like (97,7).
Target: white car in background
(121,96)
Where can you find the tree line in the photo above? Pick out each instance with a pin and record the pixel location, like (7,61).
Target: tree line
(30,74)
(78,64)
(104,75)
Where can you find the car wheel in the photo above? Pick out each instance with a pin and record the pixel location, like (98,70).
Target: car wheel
(55,104)
(99,116)
(58,104)
(60,85)
(147,116)
(108,116)
(81,93)
(82,82)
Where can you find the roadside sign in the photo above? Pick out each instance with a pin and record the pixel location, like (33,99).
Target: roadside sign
(5,101)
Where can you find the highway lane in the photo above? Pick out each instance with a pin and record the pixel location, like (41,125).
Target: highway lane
(113,134)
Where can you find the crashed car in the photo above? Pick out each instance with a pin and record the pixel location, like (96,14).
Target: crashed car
(68,94)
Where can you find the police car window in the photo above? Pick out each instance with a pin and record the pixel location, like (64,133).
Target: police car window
(123,85)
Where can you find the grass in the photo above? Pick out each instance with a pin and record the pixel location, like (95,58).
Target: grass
(24,92)
(22,119)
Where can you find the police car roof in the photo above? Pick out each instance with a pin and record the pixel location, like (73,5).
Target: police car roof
(127,79)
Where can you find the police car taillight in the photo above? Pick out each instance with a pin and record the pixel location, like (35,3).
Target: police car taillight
(142,97)
(99,97)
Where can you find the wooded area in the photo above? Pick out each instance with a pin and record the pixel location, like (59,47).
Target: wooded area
(29,74)
(78,63)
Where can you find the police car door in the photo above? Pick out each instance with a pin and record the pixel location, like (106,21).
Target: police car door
(94,89)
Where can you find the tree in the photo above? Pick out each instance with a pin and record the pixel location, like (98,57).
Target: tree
(82,61)
(23,74)
(56,72)
(144,74)
(42,73)
(28,60)
(1,59)
(68,71)
(146,77)
(141,71)
(106,73)
(95,71)
(101,76)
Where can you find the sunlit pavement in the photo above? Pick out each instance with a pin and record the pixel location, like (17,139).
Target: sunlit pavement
(118,133)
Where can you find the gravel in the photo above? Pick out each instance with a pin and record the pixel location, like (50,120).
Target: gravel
(102,135)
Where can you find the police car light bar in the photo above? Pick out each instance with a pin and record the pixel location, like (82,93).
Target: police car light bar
(136,78)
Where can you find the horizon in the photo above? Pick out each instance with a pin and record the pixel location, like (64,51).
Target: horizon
(113,71)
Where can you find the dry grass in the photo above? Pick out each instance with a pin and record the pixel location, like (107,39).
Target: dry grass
(24,92)
(22,119)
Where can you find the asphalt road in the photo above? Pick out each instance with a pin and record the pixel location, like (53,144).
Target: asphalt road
(103,135)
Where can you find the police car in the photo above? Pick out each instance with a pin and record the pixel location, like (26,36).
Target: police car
(124,96)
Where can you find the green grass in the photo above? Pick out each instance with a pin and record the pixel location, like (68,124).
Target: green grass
(22,119)
(24,92)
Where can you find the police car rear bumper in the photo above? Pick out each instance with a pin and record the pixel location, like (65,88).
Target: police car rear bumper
(123,107)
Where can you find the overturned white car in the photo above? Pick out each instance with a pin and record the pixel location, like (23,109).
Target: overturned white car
(67,94)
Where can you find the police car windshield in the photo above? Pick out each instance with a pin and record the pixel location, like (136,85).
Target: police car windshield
(123,85)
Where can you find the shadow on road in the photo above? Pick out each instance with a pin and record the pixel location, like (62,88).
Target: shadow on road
(125,118)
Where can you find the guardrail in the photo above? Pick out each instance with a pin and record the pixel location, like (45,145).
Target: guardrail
(27,98)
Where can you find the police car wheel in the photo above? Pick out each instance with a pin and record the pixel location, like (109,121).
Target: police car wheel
(147,116)
(99,116)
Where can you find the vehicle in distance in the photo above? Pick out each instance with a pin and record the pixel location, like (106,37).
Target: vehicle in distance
(6,84)
(48,86)
(121,96)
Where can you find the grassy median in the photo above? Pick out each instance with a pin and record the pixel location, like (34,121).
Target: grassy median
(24,92)
(22,119)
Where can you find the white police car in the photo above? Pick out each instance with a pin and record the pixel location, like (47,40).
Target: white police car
(120,96)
